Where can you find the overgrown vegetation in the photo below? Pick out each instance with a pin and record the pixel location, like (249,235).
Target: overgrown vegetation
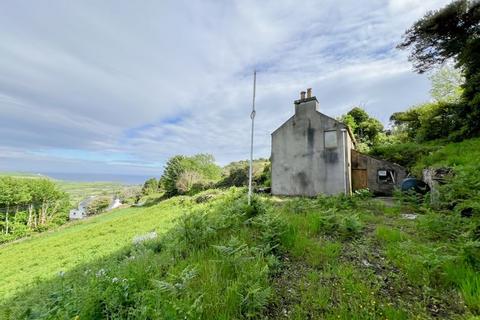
(43,256)
(189,175)
(368,131)
(98,205)
(235,174)
(30,205)
(451,33)
(216,263)
(328,257)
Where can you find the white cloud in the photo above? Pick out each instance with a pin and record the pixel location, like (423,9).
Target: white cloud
(123,80)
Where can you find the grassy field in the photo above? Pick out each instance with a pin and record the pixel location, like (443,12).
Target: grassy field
(81,190)
(45,255)
(294,258)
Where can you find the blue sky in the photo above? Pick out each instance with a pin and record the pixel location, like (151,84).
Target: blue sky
(121,86)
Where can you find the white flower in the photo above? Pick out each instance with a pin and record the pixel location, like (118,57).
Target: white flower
(100,273)
(144,237)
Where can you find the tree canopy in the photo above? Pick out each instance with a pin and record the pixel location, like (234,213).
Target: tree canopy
(447,85)
(183,173)
(451,33)
(29,205)
(367,130)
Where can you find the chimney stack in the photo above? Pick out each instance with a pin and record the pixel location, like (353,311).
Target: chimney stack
(307,101)
(302,95)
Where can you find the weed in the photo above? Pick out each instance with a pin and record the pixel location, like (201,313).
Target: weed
(468,282)
(438,226)
(347,227)
(389,235)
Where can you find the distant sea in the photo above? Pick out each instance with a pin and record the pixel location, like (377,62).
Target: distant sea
(98,177)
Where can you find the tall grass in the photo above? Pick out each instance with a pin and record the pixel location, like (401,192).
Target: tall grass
(216,263)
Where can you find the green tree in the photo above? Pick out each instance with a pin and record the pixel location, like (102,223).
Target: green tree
(6,199)
(171,173)
(206,171)
(47,199)
(236,173)
(451,33)
(150,186)
(98,205)
(367,130)
(447,85)
(40,198)
(428,121)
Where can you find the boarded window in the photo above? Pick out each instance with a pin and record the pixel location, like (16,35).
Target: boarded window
(331,139)
(386,176)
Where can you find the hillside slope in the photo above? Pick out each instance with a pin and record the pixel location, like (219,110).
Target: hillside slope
(45,255)
(297,258)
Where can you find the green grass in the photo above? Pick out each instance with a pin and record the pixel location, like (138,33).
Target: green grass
(464,153)
(43,256)
(295,258)
(214,264)
(365,261)
(81,190)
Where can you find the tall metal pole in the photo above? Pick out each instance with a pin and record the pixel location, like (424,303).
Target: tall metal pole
(344,143)
(252,116)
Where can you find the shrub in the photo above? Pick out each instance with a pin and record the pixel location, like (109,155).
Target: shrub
(150,186)
(405,154)
(236,174)
(351,226)
(347,227)
(438,226)
(200,167)
(98,205)
(28,204)
(187,180)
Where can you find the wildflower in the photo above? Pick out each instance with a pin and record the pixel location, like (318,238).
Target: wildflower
(100,273)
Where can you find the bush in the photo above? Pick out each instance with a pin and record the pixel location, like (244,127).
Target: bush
(235,174)
(187,180)
(431,121)
(347,227)
(404,154)
(28,204)
(98,205)
(182,173)
(150,186)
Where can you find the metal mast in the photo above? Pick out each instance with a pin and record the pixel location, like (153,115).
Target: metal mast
(252,116)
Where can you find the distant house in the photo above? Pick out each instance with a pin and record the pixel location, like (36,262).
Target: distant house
(81,211)
(116,203)
(313,154)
